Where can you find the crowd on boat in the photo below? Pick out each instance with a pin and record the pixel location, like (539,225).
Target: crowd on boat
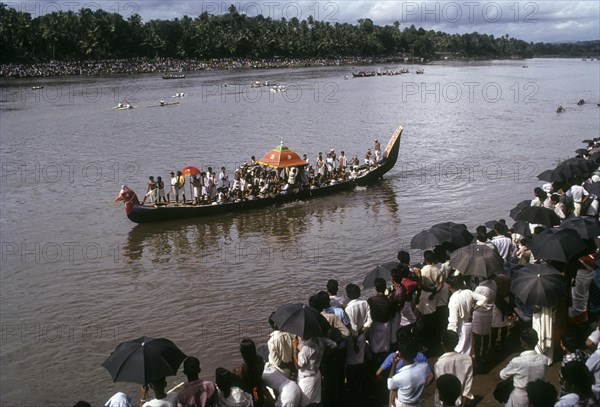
(160,65)
(437,324)
(253,180)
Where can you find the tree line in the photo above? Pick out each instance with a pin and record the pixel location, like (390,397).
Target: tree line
(97,34)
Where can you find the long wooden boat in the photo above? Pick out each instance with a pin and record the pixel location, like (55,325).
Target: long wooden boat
(138,213)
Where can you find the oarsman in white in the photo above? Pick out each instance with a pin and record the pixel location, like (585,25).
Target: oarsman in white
(456,364)
(223,179)
(527,367)
(342,161)
(460,312)
(377,151)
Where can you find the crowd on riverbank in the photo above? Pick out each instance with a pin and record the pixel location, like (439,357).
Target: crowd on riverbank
(437,322)
(158,65)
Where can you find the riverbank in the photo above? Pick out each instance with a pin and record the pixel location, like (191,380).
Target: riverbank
(143,65)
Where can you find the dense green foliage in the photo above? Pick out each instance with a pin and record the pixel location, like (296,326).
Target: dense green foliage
(92,35)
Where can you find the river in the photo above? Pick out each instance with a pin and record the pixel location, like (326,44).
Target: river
(77,277)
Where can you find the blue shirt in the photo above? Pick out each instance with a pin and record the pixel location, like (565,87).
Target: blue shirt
(387,363)
(338,312)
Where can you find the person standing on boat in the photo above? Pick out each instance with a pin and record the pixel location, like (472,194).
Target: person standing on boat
(343,162)
(223,179)
(377,151)
(173,190)
(305,158)
(320,164)
(369,158)
(160,186)
(151,191)
(180,185)
(162,102)
(196,185)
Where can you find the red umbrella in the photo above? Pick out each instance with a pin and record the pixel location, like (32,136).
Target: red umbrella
(190,171)
(281,157)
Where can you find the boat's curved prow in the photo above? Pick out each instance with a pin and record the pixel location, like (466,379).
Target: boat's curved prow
(390,156)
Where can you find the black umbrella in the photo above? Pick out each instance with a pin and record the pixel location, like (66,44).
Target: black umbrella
(301,320)
(144,360)
(538,284)
(520,206)
(581,151)
(477,260)
(546,176)
(588,227)
(587,141)
(380,271)
(592,188)
(429,238)
(459,235)
(539,215)
(522,227)
(558,244)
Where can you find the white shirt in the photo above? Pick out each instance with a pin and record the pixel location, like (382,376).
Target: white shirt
(568,400)
(488,289)
(593,363)
(280,349)
(577,192)
(527,367)
(460,366)
(430,275)
(409,382)
(460,307)
(504,246)
(359,314)
(169,401)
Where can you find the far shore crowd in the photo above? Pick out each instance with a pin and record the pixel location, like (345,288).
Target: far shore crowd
(133,66)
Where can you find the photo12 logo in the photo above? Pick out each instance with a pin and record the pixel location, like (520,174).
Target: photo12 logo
(40,8)
(468,12)
(276,10)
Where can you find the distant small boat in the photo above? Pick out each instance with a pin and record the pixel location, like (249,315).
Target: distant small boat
(524,66)
(124,107)
(179,95)
(37,87)
(171,76)
(420,71)
(363,74)
(278,88)
(256,84)
(165,104)
(560,109)
(581,102)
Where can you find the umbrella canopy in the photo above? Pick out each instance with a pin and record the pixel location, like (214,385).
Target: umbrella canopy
(581,151)
(429,238)
(190,171)
(144,360)
(522,227)
(558,244)
(459,235)
(588,227)
(587,141)
(301,320)
(539,215)
(592,188)
(538,284)
(281,157)
(477,260)
(520,206)
(380,271)
(546,176)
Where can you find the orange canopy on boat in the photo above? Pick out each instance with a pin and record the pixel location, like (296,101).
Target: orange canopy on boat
(282,157)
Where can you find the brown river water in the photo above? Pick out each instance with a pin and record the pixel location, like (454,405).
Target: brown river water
(77,277)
